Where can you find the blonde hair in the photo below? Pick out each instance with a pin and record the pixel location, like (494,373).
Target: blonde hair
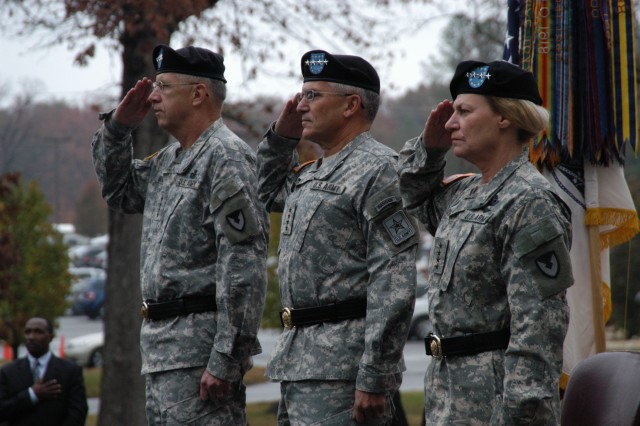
(529,118)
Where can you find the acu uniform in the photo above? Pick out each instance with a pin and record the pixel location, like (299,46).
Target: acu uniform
(344,237)
(204,243)
(346,267)
(499,265)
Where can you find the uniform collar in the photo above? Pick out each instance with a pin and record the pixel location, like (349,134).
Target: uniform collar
(482,194)
(324,167)
(183,162)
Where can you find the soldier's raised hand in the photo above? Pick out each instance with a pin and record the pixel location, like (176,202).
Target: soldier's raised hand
(435,134)
(135,105)
(289,122)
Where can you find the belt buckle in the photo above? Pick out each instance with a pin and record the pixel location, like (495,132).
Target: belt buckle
(435,345)
(285,317)
(144,310)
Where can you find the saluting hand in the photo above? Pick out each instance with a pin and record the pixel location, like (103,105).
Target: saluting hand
(135,105)
(435,134)
(289,124)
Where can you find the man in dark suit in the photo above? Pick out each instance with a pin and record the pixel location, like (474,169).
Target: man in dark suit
(42,389)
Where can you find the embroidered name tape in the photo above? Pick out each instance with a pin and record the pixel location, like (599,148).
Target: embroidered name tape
(327,187)
(387,202)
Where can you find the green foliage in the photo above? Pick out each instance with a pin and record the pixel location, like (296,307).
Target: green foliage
(34,279)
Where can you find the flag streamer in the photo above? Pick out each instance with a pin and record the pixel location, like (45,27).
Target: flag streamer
(582,54)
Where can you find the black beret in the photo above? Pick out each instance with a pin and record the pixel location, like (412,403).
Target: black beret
(318,65)
(499,78)
(189,60)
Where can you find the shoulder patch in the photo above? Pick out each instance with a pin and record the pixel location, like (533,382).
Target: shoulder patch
(151,156)
(302,166)
(454,178)
(399,227)
(548,264)
(236,220)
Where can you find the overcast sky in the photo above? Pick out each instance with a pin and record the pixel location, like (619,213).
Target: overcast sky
(52,72)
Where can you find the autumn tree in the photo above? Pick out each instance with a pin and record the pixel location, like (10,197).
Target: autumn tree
(15,126)
(34,280)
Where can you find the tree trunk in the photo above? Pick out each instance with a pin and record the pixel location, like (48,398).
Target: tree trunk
(122,389)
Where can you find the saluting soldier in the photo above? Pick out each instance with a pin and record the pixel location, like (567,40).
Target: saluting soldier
(347,250)
(499,264)
(204,239)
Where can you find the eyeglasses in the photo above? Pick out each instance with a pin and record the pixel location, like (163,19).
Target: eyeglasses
(310,95)
(161,85)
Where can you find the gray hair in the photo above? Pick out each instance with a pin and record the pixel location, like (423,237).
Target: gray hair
(370,100)
(217,88)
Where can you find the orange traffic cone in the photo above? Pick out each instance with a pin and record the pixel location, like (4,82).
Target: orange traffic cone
(7,351)
(61,353)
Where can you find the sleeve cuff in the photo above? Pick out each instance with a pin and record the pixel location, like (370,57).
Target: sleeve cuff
(280,143)
(116,130)
(430,156)
(224,367)
(369,380)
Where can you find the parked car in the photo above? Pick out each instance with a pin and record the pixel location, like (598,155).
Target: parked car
(82,272)
(89,297)
(86,350)
(79,275)
(421,323)
(86,255)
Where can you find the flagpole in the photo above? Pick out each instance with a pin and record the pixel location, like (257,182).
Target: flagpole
(596,289)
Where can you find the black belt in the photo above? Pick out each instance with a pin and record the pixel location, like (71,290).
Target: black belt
(468,344)
(173,308)
(349,309)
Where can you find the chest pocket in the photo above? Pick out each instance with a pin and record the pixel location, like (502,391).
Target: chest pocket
(320,233)
(445,252)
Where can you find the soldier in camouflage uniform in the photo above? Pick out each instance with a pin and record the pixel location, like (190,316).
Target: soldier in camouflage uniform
(499,265)
(347,250)
(204,239)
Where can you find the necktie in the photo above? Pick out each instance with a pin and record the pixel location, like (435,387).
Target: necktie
(36,372)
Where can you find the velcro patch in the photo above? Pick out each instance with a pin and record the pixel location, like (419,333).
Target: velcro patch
(399,227)
(187,183)
(476,217)
(548,264)
(237,220)
(328,187)
(387,202)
